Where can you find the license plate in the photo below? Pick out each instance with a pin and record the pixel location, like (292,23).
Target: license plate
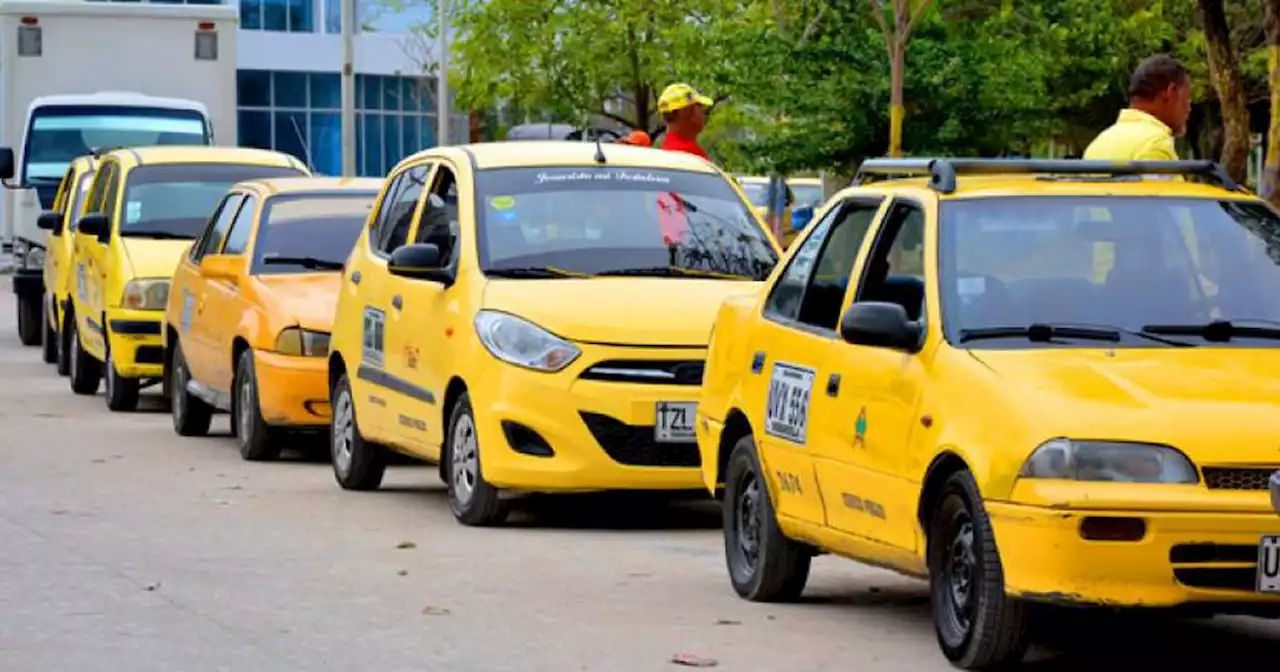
(1269,565)
(674,422)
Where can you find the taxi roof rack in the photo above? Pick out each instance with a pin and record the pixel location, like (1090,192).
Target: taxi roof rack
(942,173)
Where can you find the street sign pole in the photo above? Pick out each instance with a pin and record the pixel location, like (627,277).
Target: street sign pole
(442,75)
(348,88)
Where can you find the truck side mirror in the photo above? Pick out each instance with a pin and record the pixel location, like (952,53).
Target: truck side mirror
(6,163)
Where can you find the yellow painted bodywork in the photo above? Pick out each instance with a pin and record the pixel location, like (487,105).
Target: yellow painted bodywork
(990,409)
(102,271)
(432,346)
(59,265)
(250,311)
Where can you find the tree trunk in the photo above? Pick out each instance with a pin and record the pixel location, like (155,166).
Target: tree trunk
(1270,181)
(897,63)
(1231,96)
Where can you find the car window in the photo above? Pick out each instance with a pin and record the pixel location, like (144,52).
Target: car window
(307,233)
(813,287)
(64,191)
(238,235)
(438,224)
(174,200)
(398,212)
(101,183)
(217,228)
(1127,262)
(77,202)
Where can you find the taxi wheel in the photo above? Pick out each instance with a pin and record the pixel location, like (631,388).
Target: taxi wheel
(86,372)
(191,415)
(29,320)
(64,346)
(122,393)
(258,441)
(474,501)
(764,564)
(978,625)
(50,343)
(357,464)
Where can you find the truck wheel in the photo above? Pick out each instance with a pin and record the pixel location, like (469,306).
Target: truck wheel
(86,372)
(50,342)
(29,322)
(357,464)
(978,626)
(257,440)
(474,501)
(122,393)
(191,415)
(764,564)
(65,335)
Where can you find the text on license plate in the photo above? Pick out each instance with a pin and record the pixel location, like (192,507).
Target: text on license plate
(1269,564)
(673,421)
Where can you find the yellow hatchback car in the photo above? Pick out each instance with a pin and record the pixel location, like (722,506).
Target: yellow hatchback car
(534,317)
(1027,381)
(144,208)
(59,268)
(251,307)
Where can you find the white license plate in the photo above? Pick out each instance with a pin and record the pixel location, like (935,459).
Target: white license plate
(1269,565)
(673,422)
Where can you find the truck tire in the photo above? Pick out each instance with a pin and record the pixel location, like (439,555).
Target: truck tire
(29,322)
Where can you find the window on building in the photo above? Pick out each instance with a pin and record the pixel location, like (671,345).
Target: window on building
(286,16)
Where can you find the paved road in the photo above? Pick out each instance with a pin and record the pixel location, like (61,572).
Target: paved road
(123,547)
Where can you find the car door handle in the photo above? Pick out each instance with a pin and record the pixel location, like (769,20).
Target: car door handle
(355,277)
(397,302)
(833,385)
(757,362)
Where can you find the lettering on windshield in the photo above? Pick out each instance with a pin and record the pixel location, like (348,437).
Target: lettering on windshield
(602,176)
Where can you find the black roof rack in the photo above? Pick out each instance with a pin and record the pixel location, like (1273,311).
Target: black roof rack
(942,172)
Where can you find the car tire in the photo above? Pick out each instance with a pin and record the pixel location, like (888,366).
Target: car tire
(85,372)
(63,365)
(764,564)
(258,441)
(49,344)
(122,393)
(29,321)
(474,501)
(978,625)
(357,464)
(191,414)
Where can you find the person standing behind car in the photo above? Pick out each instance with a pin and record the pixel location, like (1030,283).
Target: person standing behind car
(685,113)
(1159,106)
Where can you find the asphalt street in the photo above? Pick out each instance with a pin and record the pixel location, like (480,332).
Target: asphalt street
(125,547)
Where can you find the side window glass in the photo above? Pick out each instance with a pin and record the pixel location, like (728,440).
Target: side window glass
(399,216)
(378,230)
(217,229)
(824,295)
(64,191)
(238,236)
(98,193)
(784,299)
(439,222)
(77,201)
(112,197)
(894,273)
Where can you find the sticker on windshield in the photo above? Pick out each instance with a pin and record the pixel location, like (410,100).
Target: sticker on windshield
(502,202)
(971,286)
(602,176)
(133,211)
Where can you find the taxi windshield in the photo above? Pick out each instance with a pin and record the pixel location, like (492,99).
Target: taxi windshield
(303,233)
(1147,271)
(175,200)
(618,221)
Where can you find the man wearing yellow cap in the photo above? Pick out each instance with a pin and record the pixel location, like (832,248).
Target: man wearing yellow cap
(685,113)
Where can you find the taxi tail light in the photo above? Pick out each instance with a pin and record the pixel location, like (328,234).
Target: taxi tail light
(1113,528)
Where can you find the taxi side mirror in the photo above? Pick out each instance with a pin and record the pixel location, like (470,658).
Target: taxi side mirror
(880,325)
(50,221)
(94,224)
(420,261)
(226,267)
(6,163)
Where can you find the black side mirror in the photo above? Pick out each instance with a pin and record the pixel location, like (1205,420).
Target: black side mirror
(95,224)
(7,163)
(50,221)
(880,325)
(420,261)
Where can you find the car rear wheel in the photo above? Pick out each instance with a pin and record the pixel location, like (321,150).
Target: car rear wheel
(979,627)
(357,464)
(50,343)
(258,441)
(122,393)
(191,414)
(474,501)
(764,564)
(86,372)
(29,322)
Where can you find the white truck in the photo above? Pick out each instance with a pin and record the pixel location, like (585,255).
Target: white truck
(78,76)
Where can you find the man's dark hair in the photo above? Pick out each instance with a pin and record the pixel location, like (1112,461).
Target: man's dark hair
(1156,74)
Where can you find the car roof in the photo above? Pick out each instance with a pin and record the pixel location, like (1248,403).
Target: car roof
(312,185)
(162,154)
(1012,186)
(536,153)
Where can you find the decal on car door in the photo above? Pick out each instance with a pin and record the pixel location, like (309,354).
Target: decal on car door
(786,412)
(373,344)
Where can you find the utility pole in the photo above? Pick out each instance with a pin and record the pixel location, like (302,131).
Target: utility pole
(348,88)
(442,74)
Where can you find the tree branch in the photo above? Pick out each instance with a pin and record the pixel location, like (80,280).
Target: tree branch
(884,25)
(915,17)
(813,24)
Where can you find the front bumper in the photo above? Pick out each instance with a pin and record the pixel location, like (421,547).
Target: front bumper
(601,433)
(1184,559)
(28,282)
(136,339)
(292,391)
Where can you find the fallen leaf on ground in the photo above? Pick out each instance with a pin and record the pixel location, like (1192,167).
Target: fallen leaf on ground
(692,660)
(232,487)
(97,460)
(151,586)
(406,544)
(435,611)
(726,621)
(403,572)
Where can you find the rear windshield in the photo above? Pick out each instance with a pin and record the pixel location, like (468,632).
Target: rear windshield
(614,220)
(176,200)
(306,233)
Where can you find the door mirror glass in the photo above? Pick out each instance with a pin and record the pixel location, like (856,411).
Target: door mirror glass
(880,325)
(420,261)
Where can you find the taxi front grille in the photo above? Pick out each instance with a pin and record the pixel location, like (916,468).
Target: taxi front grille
(1201,566)
(647,371)
(635,446)
(1238,478)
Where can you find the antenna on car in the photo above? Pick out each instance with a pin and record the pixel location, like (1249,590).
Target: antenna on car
(600,151)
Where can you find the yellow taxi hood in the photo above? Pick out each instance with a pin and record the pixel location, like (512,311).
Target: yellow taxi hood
(309,299)
(622,311)
(150,258)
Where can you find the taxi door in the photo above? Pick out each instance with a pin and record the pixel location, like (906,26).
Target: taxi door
(194,326)
(223,305)
(56,250)
(866,473)
(93,261)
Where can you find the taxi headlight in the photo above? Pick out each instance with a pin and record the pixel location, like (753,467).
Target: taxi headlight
(147,294)
(518,341)
(301,342)
(1113,461)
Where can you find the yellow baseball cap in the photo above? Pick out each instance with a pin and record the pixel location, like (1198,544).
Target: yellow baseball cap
(680,96)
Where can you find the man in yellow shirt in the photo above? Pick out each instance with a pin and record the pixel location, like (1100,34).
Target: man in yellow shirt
(1159,105)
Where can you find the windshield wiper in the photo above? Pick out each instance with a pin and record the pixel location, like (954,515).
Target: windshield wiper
(1045,332)
(305,262)
(535,272)
(673,272)
(1219,331)
(155,234)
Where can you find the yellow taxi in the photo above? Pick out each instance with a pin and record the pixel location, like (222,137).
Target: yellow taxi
(59,247)
(251,307)
(534,317)
(145,206)
(938,380)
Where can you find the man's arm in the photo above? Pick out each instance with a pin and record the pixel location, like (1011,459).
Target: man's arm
(1160,149)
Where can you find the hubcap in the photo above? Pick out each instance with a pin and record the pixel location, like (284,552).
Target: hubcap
(747,521)
(961,572)
(464,459)
(243,409)
(343,431)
